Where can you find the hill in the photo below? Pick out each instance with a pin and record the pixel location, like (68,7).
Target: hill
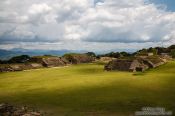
(7,54)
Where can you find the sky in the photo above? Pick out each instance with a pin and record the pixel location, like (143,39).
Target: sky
(100,25)
(170,4)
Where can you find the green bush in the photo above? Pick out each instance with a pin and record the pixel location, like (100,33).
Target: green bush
(19,59)
(172,53)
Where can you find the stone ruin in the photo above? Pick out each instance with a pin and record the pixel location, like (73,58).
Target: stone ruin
(126,65)
(153,62)
(106,59)
(34,63)
(50,61)
(10,110)
(19,67)
(134,64)
(78,58)
(43,61)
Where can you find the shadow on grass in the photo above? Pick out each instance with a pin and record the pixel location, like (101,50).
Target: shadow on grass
(115,98)
(90,69)
(123,95)
(139,73)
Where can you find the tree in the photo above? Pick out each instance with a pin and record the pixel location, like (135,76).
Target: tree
(161,50)
(19,59)
(92,54)
(116,55)
(153,50)
(125,54)
(111,54)
(172,53)
(141,52)
(171,47)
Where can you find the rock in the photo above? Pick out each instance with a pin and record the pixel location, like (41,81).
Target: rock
(134,64)
(9,110)
(35,113)
(53,62)
(78,58)
(26,114)
(131,65)
(49,61)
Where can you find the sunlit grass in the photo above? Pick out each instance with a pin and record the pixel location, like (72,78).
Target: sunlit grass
(87,89)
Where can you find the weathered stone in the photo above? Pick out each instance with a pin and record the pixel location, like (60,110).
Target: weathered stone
(16,67)
(78,58)
(106,59)
(135,64)
(153,62)
(35,113)
(49,61)
(19,67)
(9,110)
(131,65)
(53,62)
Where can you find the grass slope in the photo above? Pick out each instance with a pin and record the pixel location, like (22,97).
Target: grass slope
(87,89)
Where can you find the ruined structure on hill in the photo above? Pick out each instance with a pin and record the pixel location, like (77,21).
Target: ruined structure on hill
(106,59)
(153,62)
(19,67)
(34,63)
(134,64)
(166,57)
(78,58)
(46,61)
(54,62)
(131,65)
(50,61)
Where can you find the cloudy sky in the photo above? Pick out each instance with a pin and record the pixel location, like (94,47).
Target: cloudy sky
(93,25)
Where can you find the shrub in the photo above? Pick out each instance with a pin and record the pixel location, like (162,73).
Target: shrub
(19,59)
(172,53)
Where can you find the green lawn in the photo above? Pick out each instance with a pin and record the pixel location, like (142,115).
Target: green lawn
(88,90)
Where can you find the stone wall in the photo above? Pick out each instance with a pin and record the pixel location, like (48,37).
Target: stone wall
(122,65)
(54,62)
(153,62)
(78,58)
(134,64)
(106,59)
(19,67)
(34,63)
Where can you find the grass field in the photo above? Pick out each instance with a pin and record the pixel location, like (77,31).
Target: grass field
(88,90)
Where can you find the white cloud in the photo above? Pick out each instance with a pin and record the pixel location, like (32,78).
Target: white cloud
(105,22)
(39,8)
(125,22)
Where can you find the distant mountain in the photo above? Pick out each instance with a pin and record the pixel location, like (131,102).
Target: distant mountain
(7,54)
